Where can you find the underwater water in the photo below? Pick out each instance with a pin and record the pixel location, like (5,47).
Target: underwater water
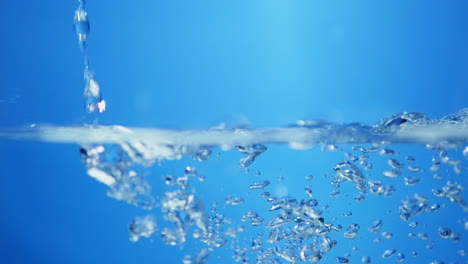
(222,132)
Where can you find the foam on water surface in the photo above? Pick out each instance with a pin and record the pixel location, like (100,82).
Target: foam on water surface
(449,131)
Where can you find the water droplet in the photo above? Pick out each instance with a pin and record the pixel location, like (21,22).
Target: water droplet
(92,94)
(81,26)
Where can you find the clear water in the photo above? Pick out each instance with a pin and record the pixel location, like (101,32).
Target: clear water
(375,189)
(307,191)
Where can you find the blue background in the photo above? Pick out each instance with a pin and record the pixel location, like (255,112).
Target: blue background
(192,64)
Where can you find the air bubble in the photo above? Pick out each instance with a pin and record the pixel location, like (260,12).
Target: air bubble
(414,169)
(423,236)
(391,173)
(348,213)
(387,235)
(187,259)
(400,257)
(308,191)
(259,185)
(388,253)
(386,152)
(455,237)
(342,260)
(142,227)
(352,231)
(375,226)
(411,181)
(444,232)
(366,260)
(465,152)
(395,164)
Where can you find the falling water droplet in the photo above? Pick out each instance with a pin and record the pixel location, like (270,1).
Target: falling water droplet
(81,26)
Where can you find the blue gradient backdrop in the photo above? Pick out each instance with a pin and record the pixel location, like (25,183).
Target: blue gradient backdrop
(192,64)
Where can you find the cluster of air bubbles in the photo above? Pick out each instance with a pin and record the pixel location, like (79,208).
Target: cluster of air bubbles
(183,181)
(111,165)
(347,171)
(142,227)
(352,231)
(412,207)
(254,218)
(291,229)
(183,210)
(398,121)
(232,200)
(453,191)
